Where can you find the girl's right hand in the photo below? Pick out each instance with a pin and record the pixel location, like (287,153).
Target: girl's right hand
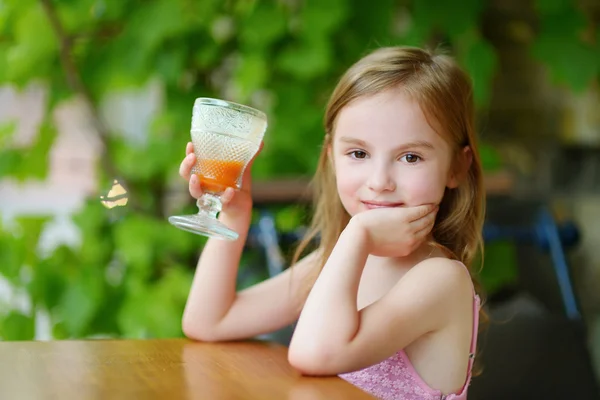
(395,232)
(233,200)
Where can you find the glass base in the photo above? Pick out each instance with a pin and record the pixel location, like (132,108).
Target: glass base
(205,225)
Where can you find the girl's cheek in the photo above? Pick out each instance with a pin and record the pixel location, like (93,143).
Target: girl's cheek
(423,190)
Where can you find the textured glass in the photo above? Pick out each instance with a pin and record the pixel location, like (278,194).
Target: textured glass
(225,136)
(219,116)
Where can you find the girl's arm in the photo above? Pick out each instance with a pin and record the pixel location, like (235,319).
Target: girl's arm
(214,311)
(333,337)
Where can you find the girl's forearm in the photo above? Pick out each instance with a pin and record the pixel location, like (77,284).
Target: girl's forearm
(330,317)
(213,289)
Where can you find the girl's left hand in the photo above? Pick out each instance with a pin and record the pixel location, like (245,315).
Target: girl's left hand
(395,232)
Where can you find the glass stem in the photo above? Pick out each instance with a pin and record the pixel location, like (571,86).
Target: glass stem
(209,204)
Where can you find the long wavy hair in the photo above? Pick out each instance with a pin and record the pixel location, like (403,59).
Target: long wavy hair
(444,92)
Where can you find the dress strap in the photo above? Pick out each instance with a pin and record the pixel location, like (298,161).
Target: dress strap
(476,307)
(475,328)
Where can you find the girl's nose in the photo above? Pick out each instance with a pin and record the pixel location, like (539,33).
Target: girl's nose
(381,179)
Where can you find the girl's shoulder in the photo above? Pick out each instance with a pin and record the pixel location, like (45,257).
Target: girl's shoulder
(443,274)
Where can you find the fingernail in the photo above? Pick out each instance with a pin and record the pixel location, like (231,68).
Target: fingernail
(227,195)
(194,179)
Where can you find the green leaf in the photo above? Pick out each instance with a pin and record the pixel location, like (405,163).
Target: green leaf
(251,74)
(306,60)
(135,243)
(156,310)
(105,319)
(500,266)
(18,247)
(81,300)
(91,218)
(169,64)
(480,61)
(10,161)
(265,25)
(7,129)
(577,63)
(207,55)
(13,253)
(79,15)
(545,7)
(17,326)
(367,26)
(576,66)
(164,147)
(429,15)
(49,280)
(34,162)
(4,67)
(321,17)
(147,162)
(35,48)
(112,64)
(30,228)
(96,246)
(156,22)
(175,242)
(490,158)
(289,218)
(109,11)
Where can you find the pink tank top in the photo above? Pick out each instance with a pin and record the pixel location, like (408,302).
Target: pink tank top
(396,379)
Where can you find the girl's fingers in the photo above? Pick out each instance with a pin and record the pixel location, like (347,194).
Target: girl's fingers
(424,221)
(189,148)
(420,212)
(194,186)
(425,230)
(227,195)
(185,168)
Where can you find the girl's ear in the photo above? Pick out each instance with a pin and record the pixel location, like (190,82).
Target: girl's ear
(463,163)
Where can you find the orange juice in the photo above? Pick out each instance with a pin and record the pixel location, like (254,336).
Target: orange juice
(217,175)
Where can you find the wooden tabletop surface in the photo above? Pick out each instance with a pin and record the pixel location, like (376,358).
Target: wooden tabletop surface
(158,369)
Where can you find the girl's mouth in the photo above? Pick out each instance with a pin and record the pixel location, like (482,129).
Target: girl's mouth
(381,204)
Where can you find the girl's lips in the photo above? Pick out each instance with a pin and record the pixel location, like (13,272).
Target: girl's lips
(381,204)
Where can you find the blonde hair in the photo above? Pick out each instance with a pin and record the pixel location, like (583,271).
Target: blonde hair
(444,93)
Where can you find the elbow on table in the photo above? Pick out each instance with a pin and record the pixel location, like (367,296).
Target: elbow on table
(195,332)
(313,362)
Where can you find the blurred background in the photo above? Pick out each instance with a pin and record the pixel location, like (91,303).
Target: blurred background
(95,109)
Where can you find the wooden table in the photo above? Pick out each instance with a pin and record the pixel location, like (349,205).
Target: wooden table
(158,369)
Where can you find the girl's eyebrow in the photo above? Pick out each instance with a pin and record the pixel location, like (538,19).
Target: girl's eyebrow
(405,146)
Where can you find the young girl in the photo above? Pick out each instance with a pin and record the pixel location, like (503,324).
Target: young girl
(385,301)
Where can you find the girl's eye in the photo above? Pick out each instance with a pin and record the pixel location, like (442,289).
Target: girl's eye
(358,154)
(411,158)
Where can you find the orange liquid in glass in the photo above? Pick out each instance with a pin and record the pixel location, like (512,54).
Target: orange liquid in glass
(217,175)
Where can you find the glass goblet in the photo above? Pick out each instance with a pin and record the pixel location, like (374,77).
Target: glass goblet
(225,136)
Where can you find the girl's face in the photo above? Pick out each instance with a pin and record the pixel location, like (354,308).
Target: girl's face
(385,154)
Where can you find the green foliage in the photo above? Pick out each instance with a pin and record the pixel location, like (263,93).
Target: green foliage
(130,274)
(572,58)
(500,267)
